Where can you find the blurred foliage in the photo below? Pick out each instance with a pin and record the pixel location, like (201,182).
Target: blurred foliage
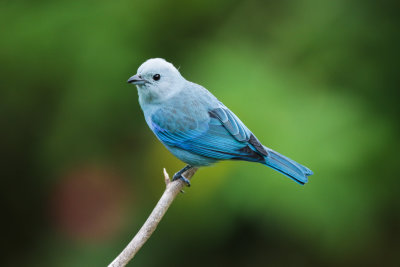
(315,80)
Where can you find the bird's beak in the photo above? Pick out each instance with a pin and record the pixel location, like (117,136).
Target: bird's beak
(136,79)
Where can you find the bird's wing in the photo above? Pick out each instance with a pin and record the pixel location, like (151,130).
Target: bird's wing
(232,123)
(237,128)
(209,136)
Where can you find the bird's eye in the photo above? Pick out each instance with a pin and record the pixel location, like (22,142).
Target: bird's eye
(156,77)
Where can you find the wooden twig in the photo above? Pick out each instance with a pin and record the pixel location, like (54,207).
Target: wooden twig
(172,189)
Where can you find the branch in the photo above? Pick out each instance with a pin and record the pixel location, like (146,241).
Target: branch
(171,191)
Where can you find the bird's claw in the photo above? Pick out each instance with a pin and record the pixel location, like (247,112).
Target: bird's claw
(183,178)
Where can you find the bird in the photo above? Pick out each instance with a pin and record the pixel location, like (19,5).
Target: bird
(196,127)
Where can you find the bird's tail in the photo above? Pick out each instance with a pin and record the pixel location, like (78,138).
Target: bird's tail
(288,167)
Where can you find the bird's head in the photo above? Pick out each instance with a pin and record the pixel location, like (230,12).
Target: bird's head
(157,80)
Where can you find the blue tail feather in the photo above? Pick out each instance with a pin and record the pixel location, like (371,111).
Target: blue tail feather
(288,167)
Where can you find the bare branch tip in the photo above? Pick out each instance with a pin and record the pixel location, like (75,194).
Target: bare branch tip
(166,177)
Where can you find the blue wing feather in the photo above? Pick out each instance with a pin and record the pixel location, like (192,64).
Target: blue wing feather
(232,123)
(209,137)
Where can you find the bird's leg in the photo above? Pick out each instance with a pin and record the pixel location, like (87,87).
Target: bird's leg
(179,175)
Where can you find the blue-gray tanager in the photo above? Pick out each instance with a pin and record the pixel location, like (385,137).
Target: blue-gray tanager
(196,127)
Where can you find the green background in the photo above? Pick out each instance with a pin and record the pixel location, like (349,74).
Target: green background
(315,80)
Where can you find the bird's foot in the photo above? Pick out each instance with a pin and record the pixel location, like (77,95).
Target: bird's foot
(178,176)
